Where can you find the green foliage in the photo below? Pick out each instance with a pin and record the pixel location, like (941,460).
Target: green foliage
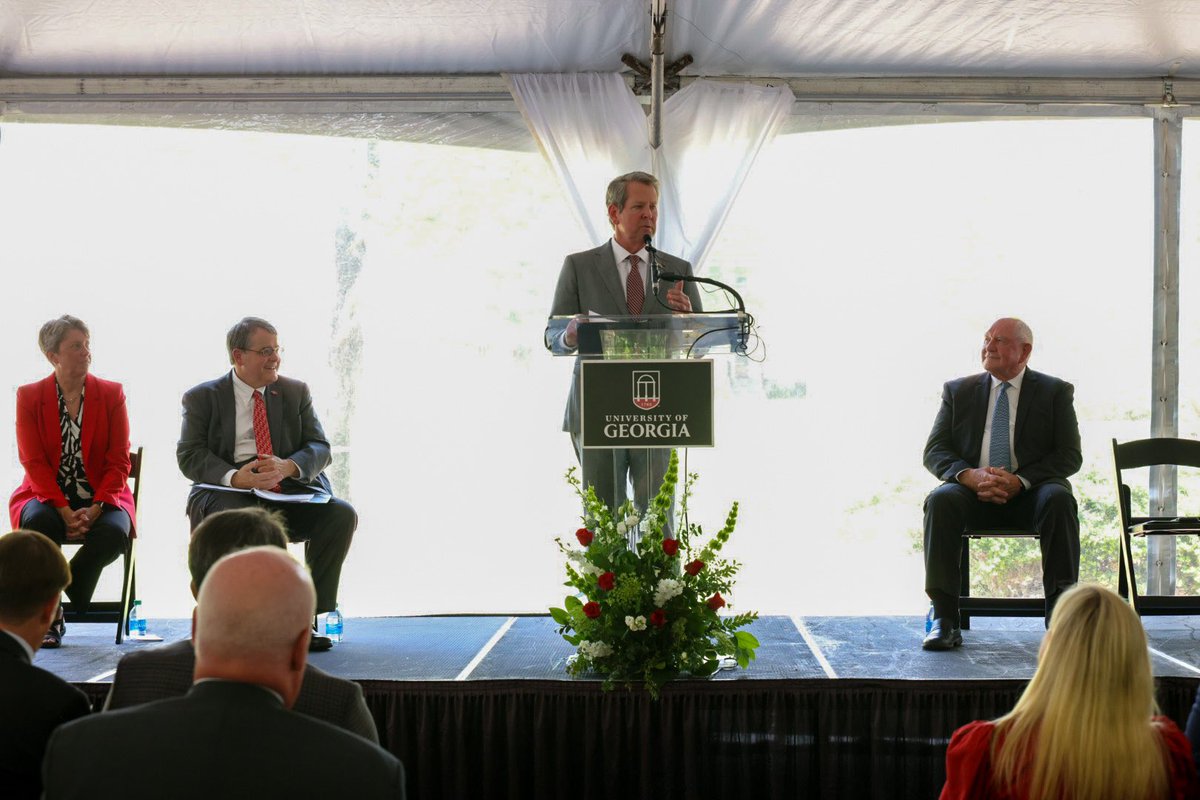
(655,621)
(1013,567)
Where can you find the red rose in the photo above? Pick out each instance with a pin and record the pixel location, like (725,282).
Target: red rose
(715,602)
(670,546)
(592,610)
(606,581)
(584,536)
(694,567)
(658,618)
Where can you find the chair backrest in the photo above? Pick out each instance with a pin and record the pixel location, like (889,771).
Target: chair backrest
(1150,452)
(135,473)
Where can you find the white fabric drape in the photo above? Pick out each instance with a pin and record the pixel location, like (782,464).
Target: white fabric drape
(591,128)
(712,134)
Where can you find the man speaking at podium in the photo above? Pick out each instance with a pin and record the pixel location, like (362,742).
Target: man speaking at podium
(613,280)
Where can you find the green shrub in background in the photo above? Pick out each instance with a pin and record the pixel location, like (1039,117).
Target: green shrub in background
(1013,567)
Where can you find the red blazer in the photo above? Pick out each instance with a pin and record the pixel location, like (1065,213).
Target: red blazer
(104,445)
(969,764)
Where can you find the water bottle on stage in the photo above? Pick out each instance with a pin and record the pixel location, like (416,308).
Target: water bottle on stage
(333,625)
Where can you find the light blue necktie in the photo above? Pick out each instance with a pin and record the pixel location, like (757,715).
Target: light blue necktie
(998,445)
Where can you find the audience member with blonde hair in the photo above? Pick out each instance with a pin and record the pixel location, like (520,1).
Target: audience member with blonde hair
(1085,727)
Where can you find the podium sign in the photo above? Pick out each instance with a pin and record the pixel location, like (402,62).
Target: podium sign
(656,404)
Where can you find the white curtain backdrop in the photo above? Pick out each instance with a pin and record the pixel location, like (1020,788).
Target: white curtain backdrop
(712,134)
(591,128)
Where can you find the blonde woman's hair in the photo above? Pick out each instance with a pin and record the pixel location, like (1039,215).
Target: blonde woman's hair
(1082,728)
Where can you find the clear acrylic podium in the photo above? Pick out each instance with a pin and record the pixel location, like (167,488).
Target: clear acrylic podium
(660,337)
(656,336)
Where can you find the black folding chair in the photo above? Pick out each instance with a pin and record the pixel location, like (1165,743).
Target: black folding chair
(116,610)
(969,606)
(1147,453)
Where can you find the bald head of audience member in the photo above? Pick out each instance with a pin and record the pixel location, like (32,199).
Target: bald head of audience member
(33,573)
(253,621)
(229,531)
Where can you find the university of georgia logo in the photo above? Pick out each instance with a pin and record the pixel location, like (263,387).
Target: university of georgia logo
(647,388)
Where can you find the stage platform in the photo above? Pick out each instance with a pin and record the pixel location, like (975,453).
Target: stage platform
(481,706)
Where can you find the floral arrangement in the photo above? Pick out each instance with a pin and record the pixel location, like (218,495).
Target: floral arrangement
(650,609)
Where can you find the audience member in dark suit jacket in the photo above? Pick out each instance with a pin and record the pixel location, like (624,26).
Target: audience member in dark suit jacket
(33,702)
(233,734)
(161,672)
(1193,727)
(1004,441)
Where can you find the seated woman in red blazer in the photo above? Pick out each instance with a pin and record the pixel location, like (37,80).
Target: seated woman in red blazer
(73,440)
(1085,726)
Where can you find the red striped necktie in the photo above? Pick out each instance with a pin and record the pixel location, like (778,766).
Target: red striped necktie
(635,291)
(262,432)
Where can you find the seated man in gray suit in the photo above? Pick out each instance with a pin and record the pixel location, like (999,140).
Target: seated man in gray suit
(252,429)
(233,734)
(160,672)
(614,280)
(33,574)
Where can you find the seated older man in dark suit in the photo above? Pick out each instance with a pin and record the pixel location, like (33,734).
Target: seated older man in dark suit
(33,574)
(233,734)
(1004,441)
(161,672)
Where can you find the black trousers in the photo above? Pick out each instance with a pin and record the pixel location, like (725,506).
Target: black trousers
(102,544)
(1047,508)
(327,527)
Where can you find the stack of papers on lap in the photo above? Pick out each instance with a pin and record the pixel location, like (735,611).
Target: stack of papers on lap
(274,497)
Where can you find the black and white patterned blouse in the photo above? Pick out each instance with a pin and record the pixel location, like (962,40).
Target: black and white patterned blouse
(71,477)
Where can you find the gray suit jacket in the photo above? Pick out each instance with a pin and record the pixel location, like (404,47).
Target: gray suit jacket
(205,449)
(222,739)
(589,281)
(144,676)
(34,703)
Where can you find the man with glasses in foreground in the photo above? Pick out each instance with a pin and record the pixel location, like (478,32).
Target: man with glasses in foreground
(252,438)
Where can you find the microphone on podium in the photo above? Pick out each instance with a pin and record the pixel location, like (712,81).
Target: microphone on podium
(653,253)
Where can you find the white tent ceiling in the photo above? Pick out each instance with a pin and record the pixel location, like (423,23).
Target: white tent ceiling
(779,38)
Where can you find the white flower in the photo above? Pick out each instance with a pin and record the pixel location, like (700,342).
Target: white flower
(666,589)
(595,649)
(631,520)
(621,528)
(582,565)
(637,623)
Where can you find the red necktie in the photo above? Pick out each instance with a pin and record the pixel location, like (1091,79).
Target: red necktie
(262,432)
(635,291)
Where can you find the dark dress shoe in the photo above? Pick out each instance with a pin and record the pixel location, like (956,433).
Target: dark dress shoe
(319,644)
(942,637)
